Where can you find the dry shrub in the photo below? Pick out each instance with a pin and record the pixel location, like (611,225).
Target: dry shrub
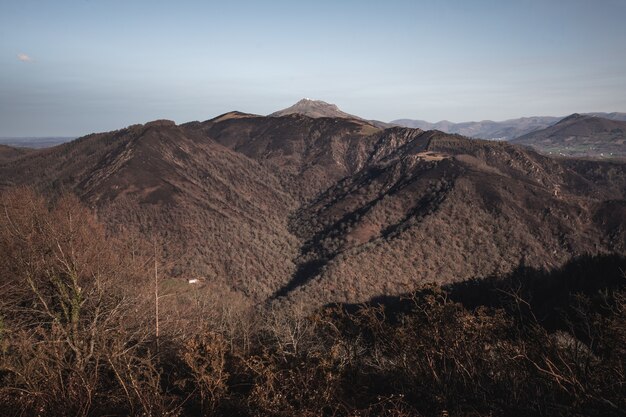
(205,358)
(75,331)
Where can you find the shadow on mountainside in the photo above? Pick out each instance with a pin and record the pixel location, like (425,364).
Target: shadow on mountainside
(302,275)
(547,297)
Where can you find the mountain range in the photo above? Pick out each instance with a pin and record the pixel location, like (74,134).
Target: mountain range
(487,129)
(602,140)
(504,130)
(580,135)
(35,142)
(295,208)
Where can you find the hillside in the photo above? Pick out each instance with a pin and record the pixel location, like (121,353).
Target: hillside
(319,209)
(580,135)
(442,208)
(221,215)
(9,152)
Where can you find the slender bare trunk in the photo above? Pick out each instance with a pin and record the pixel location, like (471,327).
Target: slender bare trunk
(156,297)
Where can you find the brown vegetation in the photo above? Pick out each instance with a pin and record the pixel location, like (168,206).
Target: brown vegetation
(485,209)
(320,210)
(77,337)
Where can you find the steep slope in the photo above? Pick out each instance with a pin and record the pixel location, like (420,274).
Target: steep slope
(220,215)
(443,208)
(580,135)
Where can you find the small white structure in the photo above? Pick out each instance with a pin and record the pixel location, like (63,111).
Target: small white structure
(193,280)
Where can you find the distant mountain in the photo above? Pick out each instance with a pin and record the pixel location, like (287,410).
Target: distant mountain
(318,210)
(318,108)
(486,129)
(314,108)
(505,130)
(35,142)
(580,135)
(610,116)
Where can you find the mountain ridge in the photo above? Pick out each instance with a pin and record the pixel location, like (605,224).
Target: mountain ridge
(316,210)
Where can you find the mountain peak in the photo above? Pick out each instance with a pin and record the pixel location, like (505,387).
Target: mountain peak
(161,123)
(312,102)
(318,109)
(315,109)
(574,116)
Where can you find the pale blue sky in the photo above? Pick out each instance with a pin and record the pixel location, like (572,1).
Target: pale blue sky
(71,67)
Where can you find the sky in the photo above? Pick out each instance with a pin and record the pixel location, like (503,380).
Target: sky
(72,67)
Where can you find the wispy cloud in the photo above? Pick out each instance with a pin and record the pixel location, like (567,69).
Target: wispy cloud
(24,58)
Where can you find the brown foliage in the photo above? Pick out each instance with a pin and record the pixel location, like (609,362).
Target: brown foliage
(77,338)
(68,320)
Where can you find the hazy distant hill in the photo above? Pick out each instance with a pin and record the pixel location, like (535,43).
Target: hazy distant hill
(35,142)
(505,130)
(580,135)
(334,209)
(485,129)
(610,116)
